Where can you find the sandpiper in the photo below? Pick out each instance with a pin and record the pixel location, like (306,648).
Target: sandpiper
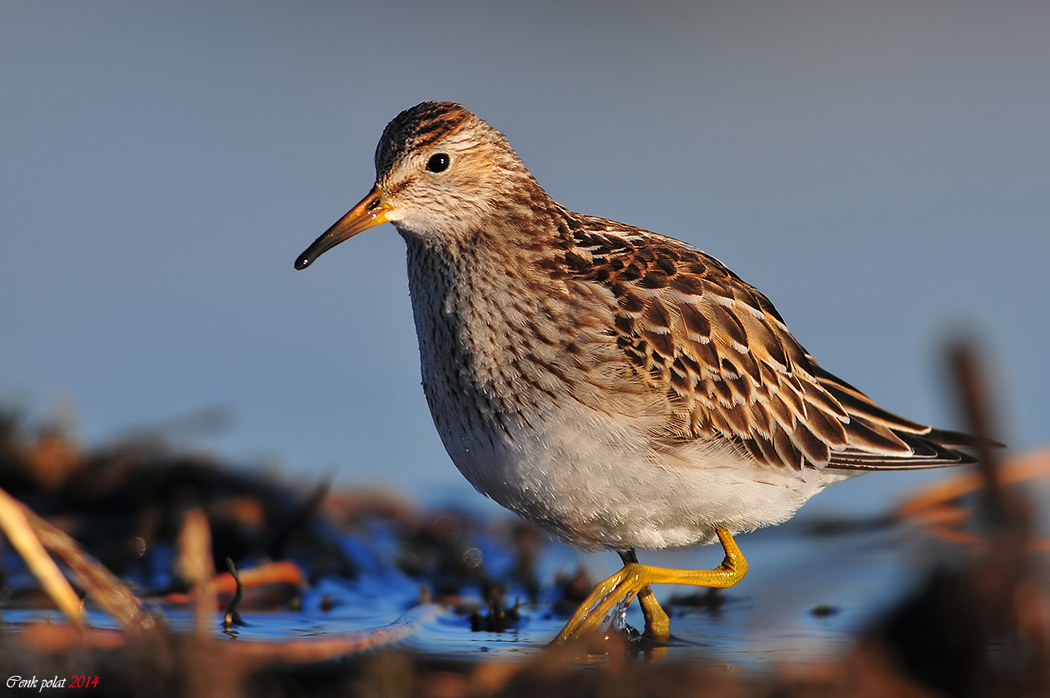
(619,387)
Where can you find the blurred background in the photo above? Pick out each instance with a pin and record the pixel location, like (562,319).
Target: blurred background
(880,170)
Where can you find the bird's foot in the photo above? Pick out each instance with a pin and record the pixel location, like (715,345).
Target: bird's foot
(635,579)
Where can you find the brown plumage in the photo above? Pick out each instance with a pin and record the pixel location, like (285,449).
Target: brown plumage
(729,364)
(617,386)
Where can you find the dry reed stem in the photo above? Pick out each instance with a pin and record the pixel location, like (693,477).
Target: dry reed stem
(13,521)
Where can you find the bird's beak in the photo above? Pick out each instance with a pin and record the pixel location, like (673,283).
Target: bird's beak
(369,212)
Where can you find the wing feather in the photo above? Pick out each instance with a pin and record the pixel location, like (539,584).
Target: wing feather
(730,368)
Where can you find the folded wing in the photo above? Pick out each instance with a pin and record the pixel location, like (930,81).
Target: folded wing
(730,367)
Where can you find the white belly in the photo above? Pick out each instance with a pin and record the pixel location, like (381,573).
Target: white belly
(595,484)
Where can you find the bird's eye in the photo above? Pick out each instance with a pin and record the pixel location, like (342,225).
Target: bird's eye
(438,162)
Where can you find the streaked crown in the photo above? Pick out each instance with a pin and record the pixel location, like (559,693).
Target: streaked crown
(417,128)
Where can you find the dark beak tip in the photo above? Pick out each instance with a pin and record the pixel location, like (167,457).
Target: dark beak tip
(302,263)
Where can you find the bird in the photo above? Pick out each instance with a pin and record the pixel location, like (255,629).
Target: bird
(620,388)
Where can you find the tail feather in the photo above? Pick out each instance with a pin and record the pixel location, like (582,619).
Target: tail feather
(882,440)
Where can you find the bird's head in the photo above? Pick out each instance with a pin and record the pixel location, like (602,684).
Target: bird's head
(440,171)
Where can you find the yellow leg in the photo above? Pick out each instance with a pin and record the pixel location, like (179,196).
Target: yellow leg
(634,580)
(657,623)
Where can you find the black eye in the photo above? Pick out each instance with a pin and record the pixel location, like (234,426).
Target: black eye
(438,162)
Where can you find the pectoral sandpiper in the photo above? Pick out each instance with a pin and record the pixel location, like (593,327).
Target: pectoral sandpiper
(620,388)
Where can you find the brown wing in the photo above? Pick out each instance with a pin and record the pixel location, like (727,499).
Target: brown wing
(729,365)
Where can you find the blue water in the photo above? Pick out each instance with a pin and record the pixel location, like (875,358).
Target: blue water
(808,594)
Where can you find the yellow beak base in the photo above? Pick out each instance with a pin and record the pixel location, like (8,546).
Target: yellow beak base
(368,213)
